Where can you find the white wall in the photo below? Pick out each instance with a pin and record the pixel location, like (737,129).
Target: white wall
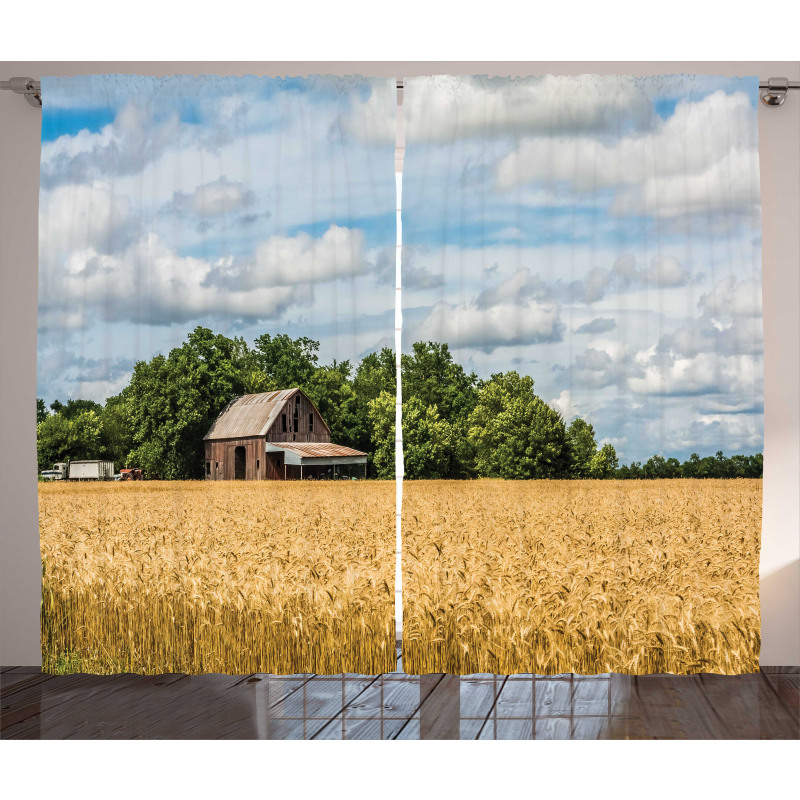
(779,131)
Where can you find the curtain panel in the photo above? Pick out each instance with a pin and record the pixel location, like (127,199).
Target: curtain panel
(582,375)
(580,362)
(215,272)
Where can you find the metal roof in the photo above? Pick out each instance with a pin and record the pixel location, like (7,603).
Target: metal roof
(251,415)
(317,449)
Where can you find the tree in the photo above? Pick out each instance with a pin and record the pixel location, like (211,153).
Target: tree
(431,375)
(604,462)
(374,375)
(582,448)
(331,390)
(427,439)
(515,434)
(41,410)
(116,437)
(75,407)
(68,438)
(285,363)
(172,401)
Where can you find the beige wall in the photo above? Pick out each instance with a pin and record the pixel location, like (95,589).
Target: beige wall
(779,131)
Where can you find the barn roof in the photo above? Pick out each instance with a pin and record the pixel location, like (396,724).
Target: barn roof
(317,449)
(251,414)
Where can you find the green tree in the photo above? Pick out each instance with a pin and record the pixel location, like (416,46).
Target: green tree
(41,410)
(75,407)
(331,390)
(515,434)
(430,374)
(604,462)
(63,438)
(117,438)
(375,375)
(427,439)
(582,448)
(173,400)
(284,363)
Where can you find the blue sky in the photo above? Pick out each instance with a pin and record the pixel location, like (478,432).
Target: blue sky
(601,234)
(248,205)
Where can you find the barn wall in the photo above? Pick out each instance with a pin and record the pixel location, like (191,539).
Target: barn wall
(222,452)
(302,434)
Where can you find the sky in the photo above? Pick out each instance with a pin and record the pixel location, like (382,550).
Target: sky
(246,205)
(600,234)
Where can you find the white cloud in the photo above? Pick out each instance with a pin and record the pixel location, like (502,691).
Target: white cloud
(597,325)
(91,216)
(218,197)
(150,283)
(289,260)
(703,158)
(732,299)
(501,325)
(705,373)
(566,406)
(510,234)
(441,108)
(135,138)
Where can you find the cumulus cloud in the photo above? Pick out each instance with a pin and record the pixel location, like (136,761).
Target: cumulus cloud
(82,216)
(149,283)
(597,325)
(290,260)
(441,108)
(485,329)
(517,289)
(524,285)
(213,199)
(732,299)
(729,323)
(702,158)
(704,373)
(134,139)
(566,405)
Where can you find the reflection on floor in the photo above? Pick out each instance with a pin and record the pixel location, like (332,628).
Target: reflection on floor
(399,706)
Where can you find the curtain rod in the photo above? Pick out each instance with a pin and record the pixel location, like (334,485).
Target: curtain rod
(773,91)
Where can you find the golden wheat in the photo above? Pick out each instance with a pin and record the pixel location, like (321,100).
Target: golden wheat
(218,577)
(552,577)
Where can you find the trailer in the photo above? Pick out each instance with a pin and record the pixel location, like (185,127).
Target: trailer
(91,470)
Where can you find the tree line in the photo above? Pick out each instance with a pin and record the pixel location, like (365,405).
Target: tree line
(455,425)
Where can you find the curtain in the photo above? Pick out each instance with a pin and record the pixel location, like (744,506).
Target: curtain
(216,267)
(582,375)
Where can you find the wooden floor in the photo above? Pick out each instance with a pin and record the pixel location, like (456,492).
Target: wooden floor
(399,706)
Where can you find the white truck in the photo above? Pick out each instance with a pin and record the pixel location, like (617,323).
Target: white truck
(91,470)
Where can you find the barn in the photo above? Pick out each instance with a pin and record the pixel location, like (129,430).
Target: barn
(275,436)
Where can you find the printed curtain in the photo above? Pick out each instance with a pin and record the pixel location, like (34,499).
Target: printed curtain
(216,268)
(582,375)
(581,396)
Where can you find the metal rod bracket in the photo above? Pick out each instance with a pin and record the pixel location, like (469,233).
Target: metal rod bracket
(774,94)
(28,87)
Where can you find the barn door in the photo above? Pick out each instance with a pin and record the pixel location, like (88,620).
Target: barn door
(240,464)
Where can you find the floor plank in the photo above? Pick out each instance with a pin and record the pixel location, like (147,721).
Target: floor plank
(763,705)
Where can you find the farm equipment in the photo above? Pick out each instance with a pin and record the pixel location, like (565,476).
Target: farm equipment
(133,474)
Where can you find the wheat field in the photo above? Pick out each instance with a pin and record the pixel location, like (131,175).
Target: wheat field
(502,577)
(195,577)
(551,577)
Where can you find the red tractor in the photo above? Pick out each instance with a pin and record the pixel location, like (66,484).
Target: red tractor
(134,474)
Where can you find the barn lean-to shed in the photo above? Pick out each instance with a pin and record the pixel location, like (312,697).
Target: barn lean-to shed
(273,436)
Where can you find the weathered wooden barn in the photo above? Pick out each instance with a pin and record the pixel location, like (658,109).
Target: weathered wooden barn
(274,436)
